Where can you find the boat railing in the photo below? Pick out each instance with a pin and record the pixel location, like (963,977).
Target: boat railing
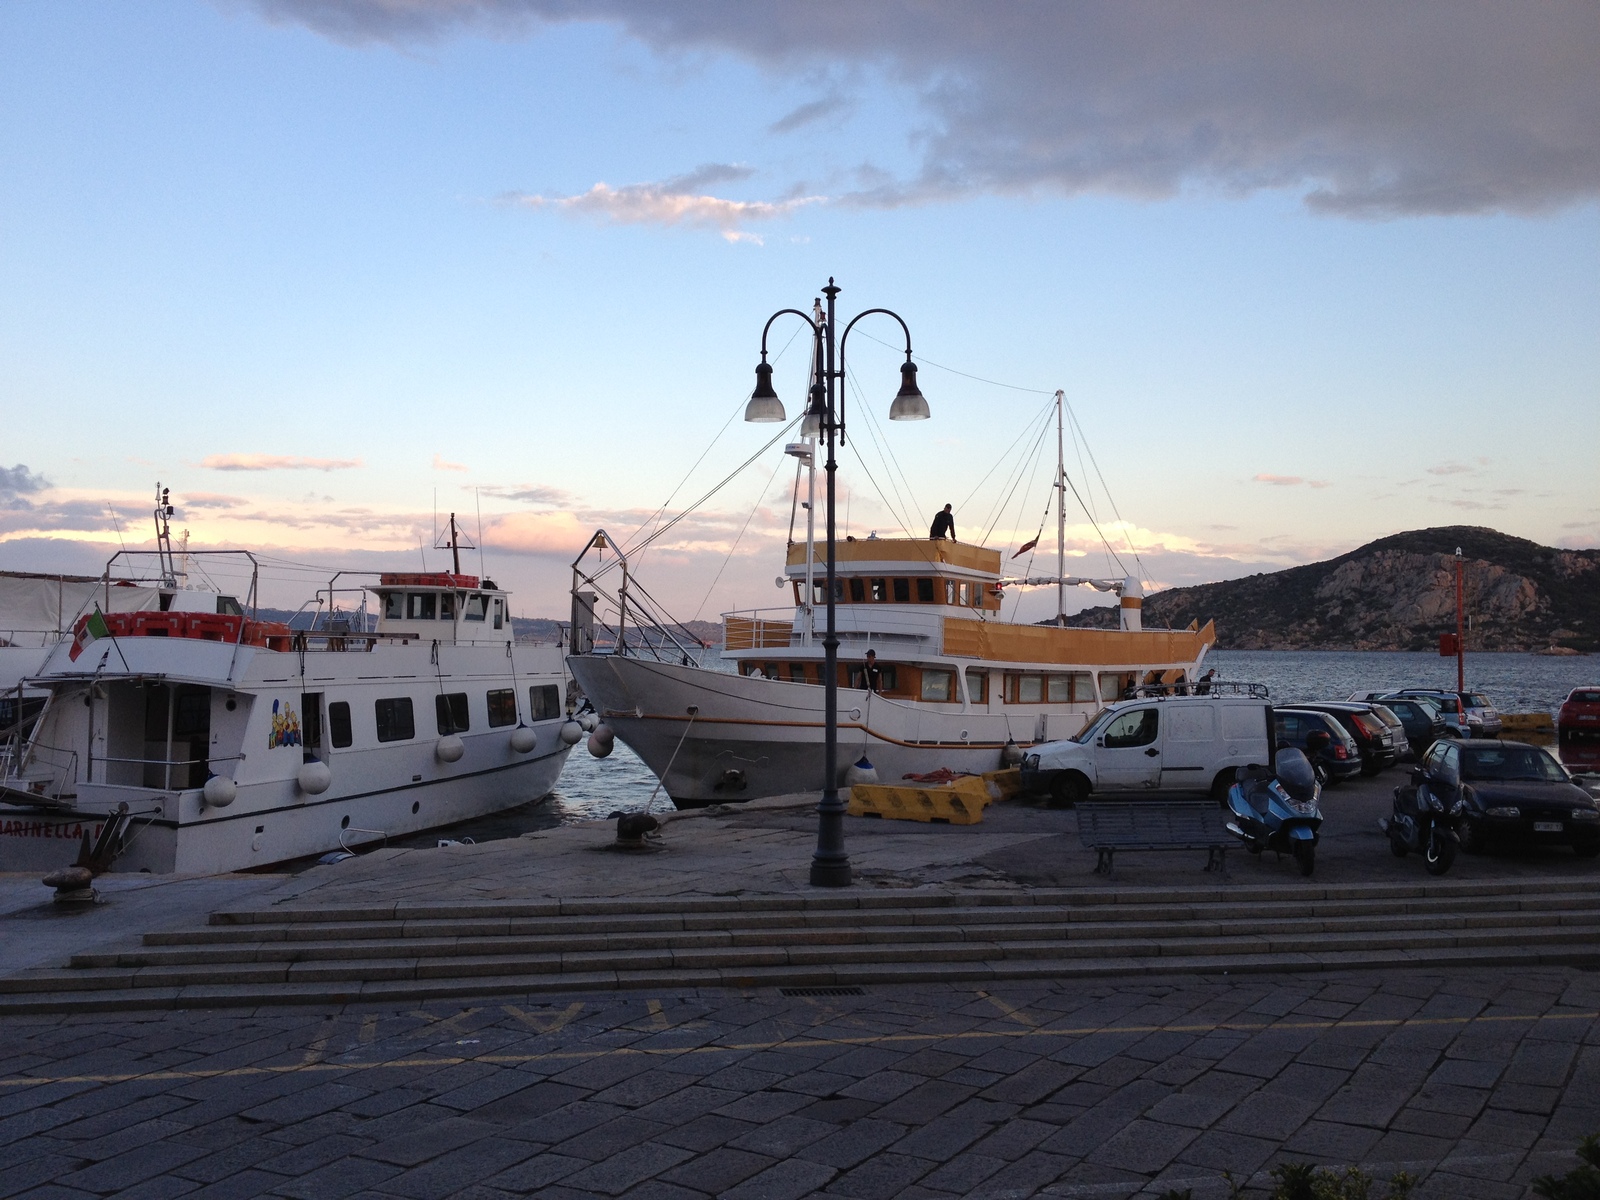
(35,639)
(754,629)
(41,770)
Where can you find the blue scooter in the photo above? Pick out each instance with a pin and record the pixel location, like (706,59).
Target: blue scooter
(1276,809)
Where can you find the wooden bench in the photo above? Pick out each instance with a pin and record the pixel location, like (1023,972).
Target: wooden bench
(1106,826)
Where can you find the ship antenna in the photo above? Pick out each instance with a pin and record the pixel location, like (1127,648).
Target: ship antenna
(1061,518)
(163,515)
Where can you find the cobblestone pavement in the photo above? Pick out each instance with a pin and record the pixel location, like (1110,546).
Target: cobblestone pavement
(1475,1080)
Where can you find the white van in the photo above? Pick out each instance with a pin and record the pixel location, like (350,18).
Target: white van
(1169,744)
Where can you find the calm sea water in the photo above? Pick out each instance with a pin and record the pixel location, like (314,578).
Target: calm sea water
(593,788)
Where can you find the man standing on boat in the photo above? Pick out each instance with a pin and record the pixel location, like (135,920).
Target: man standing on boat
(944,525)
(872,675)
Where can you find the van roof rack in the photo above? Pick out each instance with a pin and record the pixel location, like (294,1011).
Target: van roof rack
(1212,687)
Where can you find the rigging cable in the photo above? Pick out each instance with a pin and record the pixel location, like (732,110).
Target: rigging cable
(760,498)
(1134,550)
(892,463)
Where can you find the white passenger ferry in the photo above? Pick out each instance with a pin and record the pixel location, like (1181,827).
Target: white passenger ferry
(238,743)
(958,687)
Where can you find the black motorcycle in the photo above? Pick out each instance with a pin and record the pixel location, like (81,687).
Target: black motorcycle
(1424,822)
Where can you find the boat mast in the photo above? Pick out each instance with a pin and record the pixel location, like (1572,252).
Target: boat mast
(1061,519)
(169,567)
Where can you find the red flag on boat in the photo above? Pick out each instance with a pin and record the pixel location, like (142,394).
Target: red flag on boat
(1025,548)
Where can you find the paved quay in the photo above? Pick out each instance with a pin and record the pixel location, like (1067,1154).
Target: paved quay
(1476,1078)
(1474,1081)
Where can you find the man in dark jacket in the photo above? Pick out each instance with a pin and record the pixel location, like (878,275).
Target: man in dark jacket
(944,525)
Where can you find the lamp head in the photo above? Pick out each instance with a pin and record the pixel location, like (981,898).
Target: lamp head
(811,427)
(764,404)
(909,403)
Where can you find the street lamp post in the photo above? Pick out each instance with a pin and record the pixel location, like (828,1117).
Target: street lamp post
(830,865)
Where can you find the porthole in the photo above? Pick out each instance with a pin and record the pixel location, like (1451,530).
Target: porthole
(345,823)
(416,806)
(232,704)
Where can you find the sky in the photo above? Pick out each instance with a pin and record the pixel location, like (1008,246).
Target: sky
(1307,275)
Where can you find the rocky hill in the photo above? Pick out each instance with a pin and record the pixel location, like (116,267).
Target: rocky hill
(1399,593)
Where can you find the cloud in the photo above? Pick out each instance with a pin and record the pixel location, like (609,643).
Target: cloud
(807,114)
(676,201)
(1452,468)
(536,533)
(210,500)
(1366,108)
(276,462)
(439,464)
(1291,481)
(17,481)
(530,493)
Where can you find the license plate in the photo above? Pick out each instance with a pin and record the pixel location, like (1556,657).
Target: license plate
(1547,826)
(1587,717)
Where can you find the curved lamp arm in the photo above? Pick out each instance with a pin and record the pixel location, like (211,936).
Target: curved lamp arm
(909,403)
(764,404)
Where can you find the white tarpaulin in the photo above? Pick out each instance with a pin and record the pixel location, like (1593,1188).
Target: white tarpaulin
(36,610)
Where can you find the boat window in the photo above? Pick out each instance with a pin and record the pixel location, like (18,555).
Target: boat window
(1074,687)
(771,671)
(419,606)
(949,591)
(938,685)
(975,592)
(977,685)
(902,591)
(1025,689)
(924,591)
(880,590)
(339,724)
(858,590)
(751,668)
(821,590)
(396,722)
(502,707)
(229,607)
(499,612)
(451,710)
(1113,684)
(311,719)
(394,605)
(797,672)
(476,607)
(1129,729)
(447,606)
(544,701)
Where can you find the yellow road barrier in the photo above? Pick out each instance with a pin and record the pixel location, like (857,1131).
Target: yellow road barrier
(1009,782)
(1528,727)
(958,803)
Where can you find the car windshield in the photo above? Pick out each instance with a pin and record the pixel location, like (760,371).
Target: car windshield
(1509,763)
(1389,718)
(1584,696)
(1476,700)
(1092,727)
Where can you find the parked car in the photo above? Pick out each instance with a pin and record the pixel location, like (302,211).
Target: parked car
(1375,741)
(1579,715)
(1475,712)
(1423,723)
(1340,759)
(1513,795)
(1170,743)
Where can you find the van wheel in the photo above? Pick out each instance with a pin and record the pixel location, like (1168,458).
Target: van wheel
(1220,787)
(1066,790)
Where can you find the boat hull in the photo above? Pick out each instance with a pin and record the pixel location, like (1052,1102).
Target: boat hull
(268,829)
(751,736)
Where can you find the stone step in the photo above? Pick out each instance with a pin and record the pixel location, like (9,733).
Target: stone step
(224,995)
(338,928)
(1079,898)
(178,954)
(723,958)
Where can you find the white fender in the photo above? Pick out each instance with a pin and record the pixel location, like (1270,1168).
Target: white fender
(449,748)
(314,778)
(860,771)
(588,722)
(220,791)
(571,733)
(523,739)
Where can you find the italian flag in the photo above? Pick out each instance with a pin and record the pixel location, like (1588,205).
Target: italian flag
(92,629)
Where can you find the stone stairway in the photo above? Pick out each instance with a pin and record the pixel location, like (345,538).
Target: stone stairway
(406,951)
